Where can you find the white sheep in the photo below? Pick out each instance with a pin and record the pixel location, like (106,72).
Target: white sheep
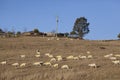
(88,52)
(117,55)
(59,58)
(58,39)
(4,62)
(82,57)
(109,55)
(89,56)
(47,54)
(37,55)
(116,62)
(64,67)
(37,63)
(22,56)
(38,52)
(70,57)
(55,65)
(113,58)
(22,64)
(76,58)
(53,60)
(92,65)
(15,64)
(47,64)
(50,56)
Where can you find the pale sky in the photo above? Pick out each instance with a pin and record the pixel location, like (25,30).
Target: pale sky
(103,16)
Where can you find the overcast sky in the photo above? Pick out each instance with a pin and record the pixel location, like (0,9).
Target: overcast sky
(103,16)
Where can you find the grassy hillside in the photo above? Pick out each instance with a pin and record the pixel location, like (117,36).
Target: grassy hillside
(12,48)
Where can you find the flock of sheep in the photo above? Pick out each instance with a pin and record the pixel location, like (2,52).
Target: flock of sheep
(54,59)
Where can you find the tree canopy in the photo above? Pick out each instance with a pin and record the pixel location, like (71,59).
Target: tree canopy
(81,27)
(118,36)
(36,31)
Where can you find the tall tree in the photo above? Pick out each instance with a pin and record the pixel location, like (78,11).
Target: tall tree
(81,27)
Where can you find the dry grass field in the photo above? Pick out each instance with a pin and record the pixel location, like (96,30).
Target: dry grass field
(12,48)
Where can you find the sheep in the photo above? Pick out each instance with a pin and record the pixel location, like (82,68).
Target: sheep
(59,59)
(70,57)
(15,64)
(22,56)
(4,62)
(82,57)
(92,65)
(117,55)
(50,56)
(64,67)
(22,64)
(47,54)
(109,55)
(53,60)
(48,39)
(113,58)
(37,55)
(47,64)
(88,52)
(76,58)
(38,52)
(58,56)
(58,39)
(37,63)
(55,65)
(116,62)
(89,56)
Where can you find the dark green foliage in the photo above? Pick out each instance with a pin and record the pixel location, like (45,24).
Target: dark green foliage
(1,31)
(36,31)
(81,27)
(118,36)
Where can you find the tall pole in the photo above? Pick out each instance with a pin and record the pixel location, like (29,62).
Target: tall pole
(57,25)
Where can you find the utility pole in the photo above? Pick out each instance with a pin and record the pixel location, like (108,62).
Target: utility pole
(57,26)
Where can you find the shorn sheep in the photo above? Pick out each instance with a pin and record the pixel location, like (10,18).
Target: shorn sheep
(4,62)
